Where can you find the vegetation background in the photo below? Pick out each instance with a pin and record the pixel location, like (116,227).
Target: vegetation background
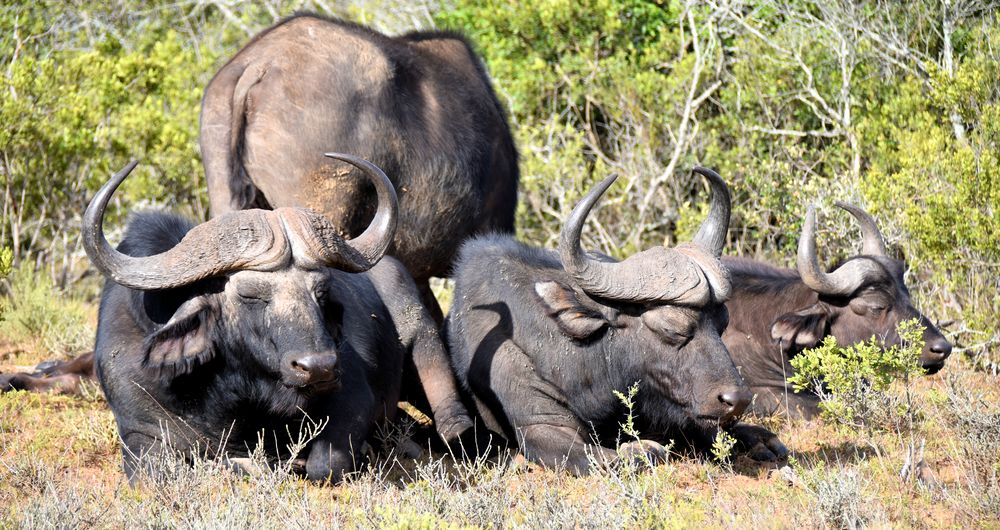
(894,106)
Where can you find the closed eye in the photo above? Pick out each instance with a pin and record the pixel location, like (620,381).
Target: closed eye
(320,293)
(254,291)
(674,325)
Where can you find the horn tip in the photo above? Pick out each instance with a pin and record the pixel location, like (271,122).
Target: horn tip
(706,172)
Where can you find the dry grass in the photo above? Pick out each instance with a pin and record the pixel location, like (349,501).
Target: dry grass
(60,467)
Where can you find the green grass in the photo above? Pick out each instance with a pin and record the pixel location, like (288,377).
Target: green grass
(39,317)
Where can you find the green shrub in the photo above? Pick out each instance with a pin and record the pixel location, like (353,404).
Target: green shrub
(722,446)
(855,382)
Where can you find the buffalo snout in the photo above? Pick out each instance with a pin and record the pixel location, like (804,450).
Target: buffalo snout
(734,402)
(935,352)
(311,370)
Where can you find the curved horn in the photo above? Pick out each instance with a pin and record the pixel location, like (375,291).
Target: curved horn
(593,276)
(843,281)
(654,275)
(232,241)
(871,238)
(364,251)
(712,232)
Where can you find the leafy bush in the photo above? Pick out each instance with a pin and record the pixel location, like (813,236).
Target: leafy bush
(855,382)
(899,116)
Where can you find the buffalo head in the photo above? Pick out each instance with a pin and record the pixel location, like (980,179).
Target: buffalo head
(249,290)
(865,296)
(665,309)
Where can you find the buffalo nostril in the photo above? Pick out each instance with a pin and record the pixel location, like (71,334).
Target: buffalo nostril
(941,348)
(737,400)
(316,367)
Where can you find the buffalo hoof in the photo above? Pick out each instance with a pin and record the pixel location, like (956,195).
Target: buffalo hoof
(47,368)
(451,430)
(758,443)
(645,452)
(407,448)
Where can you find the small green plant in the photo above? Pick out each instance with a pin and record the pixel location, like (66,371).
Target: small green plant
(722,446)
(628,427)
(854,382)
(6,261)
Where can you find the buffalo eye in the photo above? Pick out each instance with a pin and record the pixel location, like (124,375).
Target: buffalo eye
(253,292)
(674,326)
(870,303)
(321,293)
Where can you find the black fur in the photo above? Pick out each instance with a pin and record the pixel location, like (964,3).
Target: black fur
(551,390)
(225,398)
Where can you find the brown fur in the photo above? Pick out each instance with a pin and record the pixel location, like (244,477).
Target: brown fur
(419,106)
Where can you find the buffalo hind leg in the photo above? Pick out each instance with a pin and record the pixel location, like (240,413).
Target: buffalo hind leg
(60,377)
(82,365)
(428,378)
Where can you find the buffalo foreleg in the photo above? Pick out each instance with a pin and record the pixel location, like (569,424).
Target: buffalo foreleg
(60,384)
(534,411)
(428,375)
(341,447)
(769,401)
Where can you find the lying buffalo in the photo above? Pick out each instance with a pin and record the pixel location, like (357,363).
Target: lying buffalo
(543,340)
(255,321)
(420,106)
(776,313)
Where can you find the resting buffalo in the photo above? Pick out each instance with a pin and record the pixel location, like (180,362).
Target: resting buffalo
(542,341)
(420,106)
(253,322)
(776,313)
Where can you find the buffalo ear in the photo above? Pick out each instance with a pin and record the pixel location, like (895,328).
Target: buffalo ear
(800,329)
(573,318)
(184,341)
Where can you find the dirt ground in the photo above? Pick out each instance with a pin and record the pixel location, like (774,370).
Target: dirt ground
(60,466)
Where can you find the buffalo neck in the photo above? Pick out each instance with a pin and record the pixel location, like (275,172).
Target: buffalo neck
(762,293)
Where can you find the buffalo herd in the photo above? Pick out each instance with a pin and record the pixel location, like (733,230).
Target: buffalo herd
(305,296)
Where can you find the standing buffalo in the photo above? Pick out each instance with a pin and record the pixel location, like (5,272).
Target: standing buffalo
(420,106)
(776,313)
(542,340)
(255,321)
